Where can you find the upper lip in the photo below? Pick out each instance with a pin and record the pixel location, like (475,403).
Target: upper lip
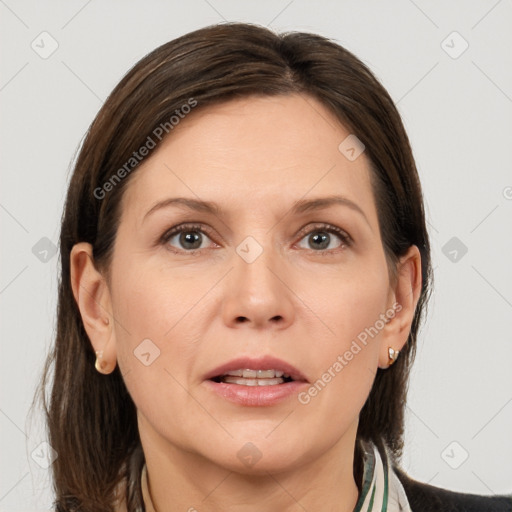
(257,363)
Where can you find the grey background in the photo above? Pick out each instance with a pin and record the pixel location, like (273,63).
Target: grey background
(458,115)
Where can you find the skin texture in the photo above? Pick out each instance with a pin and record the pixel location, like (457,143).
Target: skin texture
(254,157)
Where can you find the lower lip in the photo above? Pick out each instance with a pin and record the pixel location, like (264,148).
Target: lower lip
(255,396)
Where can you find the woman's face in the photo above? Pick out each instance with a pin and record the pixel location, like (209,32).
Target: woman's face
(264,275)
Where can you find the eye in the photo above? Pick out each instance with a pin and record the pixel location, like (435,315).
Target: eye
(186,238)
(325,237)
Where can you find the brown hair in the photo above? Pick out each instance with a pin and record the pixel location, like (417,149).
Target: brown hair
(91,417)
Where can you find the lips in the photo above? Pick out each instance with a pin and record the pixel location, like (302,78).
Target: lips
(261,371)
(255,382)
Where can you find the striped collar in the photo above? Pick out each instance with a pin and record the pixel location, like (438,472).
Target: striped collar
(382,491)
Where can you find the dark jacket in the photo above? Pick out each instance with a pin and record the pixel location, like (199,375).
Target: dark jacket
(425,498)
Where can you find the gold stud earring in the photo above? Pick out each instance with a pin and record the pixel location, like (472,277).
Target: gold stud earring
(393,355)
(100,364)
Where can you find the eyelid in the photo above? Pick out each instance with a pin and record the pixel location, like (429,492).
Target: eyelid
(185,226)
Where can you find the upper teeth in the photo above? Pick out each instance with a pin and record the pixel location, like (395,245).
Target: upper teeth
(257,374)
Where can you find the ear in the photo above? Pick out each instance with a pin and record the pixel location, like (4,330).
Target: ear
(402,304)
(93,299)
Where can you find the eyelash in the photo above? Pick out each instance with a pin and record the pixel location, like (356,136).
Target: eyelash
(346,240)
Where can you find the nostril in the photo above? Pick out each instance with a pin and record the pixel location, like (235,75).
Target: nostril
(242,319)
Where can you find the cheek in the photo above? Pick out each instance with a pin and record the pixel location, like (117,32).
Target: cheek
(349,305)
(345,366)
(152,302)
(346,300)
(156,341)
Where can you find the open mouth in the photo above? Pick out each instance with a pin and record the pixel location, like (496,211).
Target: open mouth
(255,381)
(247,377)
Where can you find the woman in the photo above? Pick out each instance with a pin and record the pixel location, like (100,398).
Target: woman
(245,265)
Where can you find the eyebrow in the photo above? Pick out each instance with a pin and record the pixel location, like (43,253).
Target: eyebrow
(300,206)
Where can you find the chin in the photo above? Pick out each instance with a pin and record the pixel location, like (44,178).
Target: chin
(261,459)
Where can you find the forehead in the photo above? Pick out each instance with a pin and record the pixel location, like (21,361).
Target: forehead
(253,153)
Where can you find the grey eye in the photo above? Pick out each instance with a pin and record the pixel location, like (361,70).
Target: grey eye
(321,240)
(188,240)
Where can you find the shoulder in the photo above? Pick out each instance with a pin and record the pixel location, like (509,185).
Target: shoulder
(423,497)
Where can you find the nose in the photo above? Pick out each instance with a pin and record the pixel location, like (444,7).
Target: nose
(258,294)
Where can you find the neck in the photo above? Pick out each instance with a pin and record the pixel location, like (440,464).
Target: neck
(179,480)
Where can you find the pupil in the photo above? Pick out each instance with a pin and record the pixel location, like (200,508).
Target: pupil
(190,237)
(321,241)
